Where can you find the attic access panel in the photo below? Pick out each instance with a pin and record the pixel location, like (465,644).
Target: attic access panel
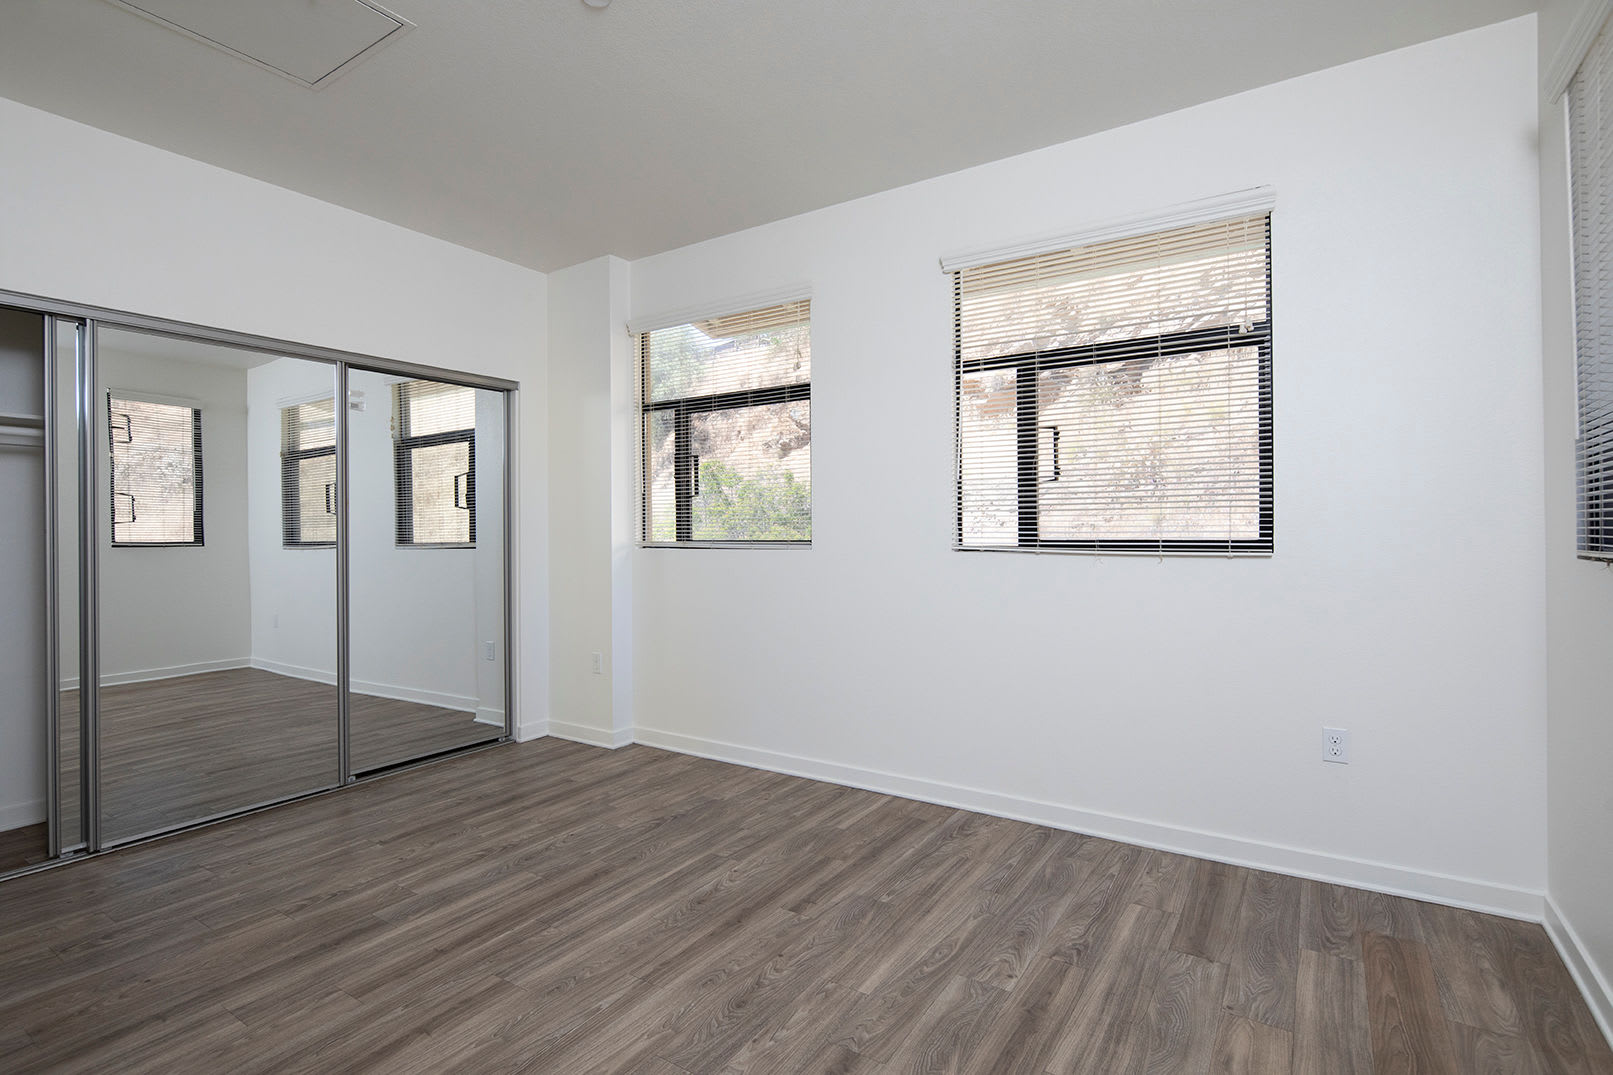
(308,41)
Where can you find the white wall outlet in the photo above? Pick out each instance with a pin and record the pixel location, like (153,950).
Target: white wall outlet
(488,652)
(277,619)
(1336,745)
(599,664)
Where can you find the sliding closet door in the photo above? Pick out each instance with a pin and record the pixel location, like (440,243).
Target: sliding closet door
(216,622)
(67,357)
(426,567)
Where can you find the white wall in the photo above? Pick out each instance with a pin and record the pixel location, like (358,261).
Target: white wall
(1175,701)
(591,530)
(96,218)
(168,611)
(1579,593)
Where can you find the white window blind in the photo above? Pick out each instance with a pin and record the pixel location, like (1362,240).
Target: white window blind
(434,439)
(1590,104)
(308,474)
(727,428)
(156,452)
(1117,396)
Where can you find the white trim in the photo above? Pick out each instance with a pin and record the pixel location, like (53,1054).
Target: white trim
(308,397)
(1463,892)
(1582,31)
(1587,975)
(1242,203)
(459,702)
(739,304)
(151,675)
(583,733)
(19,815)
(537,729)
(490,715)
(137,395)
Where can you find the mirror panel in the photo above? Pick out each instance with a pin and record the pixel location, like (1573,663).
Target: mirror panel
(426,567)
(216,622)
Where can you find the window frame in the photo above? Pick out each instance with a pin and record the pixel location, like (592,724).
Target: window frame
(291,483)
(403,445)
(686,464)
(198,515)
(1593,359)
(1028,429)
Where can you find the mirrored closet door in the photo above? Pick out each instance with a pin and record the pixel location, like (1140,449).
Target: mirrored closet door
(216,582)
(233,574)
(426,581)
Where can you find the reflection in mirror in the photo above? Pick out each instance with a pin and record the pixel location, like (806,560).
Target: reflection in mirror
(65,435)
(216,628)
(24,837)
(426,567)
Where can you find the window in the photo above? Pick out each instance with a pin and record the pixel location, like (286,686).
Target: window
(308,475)
(434,445)
(1117,396)
(1590,110)
(156,451)
(727,429)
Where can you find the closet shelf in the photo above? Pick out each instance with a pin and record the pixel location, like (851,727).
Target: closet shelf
(21,430)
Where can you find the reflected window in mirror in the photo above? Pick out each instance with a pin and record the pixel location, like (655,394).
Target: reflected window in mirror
(434,445)
(308,474)
(156,468)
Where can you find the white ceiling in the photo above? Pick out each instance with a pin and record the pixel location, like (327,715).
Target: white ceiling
(547,133)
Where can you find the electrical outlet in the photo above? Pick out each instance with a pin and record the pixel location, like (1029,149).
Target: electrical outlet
(488,652)
(599,664)
(1336,745)
(277,619)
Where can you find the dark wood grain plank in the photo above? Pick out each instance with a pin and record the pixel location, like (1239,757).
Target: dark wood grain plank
(1244,1047)
(1409,1032)
(1331,1036)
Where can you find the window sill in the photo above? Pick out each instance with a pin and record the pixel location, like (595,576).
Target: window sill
(725,544)
(1155,554)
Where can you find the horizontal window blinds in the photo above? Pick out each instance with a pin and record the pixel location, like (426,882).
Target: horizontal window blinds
(156,454)
(727,428)
(308,473)
(1117,396)
(1590,97)
(434,431)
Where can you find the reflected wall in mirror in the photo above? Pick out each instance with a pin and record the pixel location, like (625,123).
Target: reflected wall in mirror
(426,567)
(216,637)
(24,765)
(64,433)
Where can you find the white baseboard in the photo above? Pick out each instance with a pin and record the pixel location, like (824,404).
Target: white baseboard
(460,702)
(583,733)
(18,815)
(1358,873)
(532,729)
(151,675)
(488,715)
(1587,975)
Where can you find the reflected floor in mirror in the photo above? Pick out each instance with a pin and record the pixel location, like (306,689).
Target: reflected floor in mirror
(180,749)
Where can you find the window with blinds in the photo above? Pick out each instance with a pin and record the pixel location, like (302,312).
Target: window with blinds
(156,470)
(1117,396)
(434,451)
(1590,112)
(308,475)
(727,429)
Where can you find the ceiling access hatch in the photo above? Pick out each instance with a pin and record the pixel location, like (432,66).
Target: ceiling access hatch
(307,41)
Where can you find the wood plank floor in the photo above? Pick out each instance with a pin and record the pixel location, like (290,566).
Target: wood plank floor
(175,750)
(551,907)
